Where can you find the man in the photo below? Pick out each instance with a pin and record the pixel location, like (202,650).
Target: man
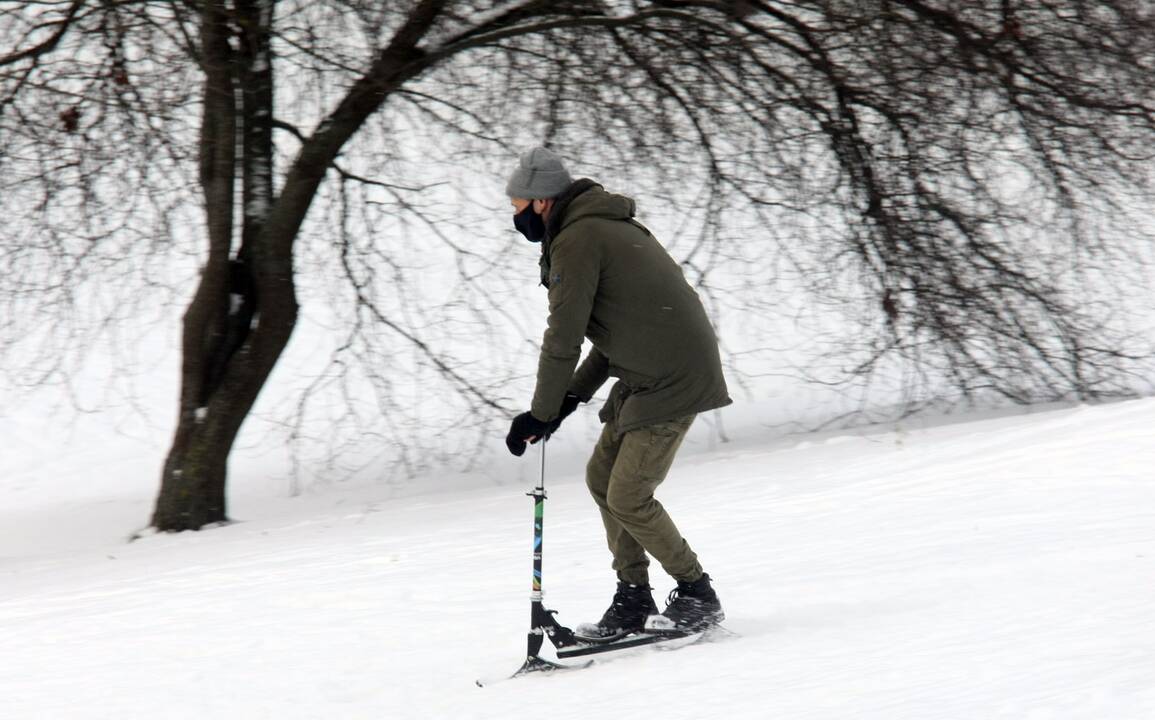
(610,280)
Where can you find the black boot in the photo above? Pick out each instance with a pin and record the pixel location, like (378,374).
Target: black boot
(692,606)
(627,613)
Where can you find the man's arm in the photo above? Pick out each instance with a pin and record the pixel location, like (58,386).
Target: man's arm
(574,271)
(590,375)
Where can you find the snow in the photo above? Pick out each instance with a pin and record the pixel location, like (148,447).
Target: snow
(1001,567)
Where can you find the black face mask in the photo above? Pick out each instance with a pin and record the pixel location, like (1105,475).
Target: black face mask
(530,224)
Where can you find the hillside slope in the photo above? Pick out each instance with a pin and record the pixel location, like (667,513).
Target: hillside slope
(996,568)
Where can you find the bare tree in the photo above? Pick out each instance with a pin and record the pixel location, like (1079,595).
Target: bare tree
(952,175)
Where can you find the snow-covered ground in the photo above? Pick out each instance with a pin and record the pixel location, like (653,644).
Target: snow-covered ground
(990,568)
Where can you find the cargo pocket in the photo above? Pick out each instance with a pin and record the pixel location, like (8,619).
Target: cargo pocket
(660,443)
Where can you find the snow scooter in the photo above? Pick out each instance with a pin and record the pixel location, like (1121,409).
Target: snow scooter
(542,623)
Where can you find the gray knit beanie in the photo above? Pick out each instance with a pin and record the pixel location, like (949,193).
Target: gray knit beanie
(540,175)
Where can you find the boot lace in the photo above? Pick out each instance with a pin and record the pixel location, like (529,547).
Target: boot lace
(677,594)
(621,597)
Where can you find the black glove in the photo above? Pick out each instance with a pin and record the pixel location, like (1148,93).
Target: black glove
(568,404)
(524,427)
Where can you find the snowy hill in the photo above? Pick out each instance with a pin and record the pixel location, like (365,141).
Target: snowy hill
(996,568)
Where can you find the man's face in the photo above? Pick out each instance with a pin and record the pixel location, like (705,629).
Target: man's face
(519,204)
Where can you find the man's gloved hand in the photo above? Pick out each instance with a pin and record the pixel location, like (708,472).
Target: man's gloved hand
(525,427)
(568,404)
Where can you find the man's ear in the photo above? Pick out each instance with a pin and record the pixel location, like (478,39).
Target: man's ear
(542,207)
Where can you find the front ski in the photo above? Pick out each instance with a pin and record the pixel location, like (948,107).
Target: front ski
(535,664)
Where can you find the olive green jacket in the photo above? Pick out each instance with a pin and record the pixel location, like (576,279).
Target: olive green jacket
(612,282)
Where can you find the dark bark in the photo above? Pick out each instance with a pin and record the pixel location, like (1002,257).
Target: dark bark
(193,484)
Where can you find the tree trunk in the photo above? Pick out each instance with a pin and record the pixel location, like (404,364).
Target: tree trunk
(245,308)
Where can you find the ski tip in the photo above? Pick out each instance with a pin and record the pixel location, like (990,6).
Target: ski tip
(535,666)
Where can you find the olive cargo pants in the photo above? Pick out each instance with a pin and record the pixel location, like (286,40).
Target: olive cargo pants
(622,474)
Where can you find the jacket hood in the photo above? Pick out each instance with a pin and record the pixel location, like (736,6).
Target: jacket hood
(583,199)
(586,199)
